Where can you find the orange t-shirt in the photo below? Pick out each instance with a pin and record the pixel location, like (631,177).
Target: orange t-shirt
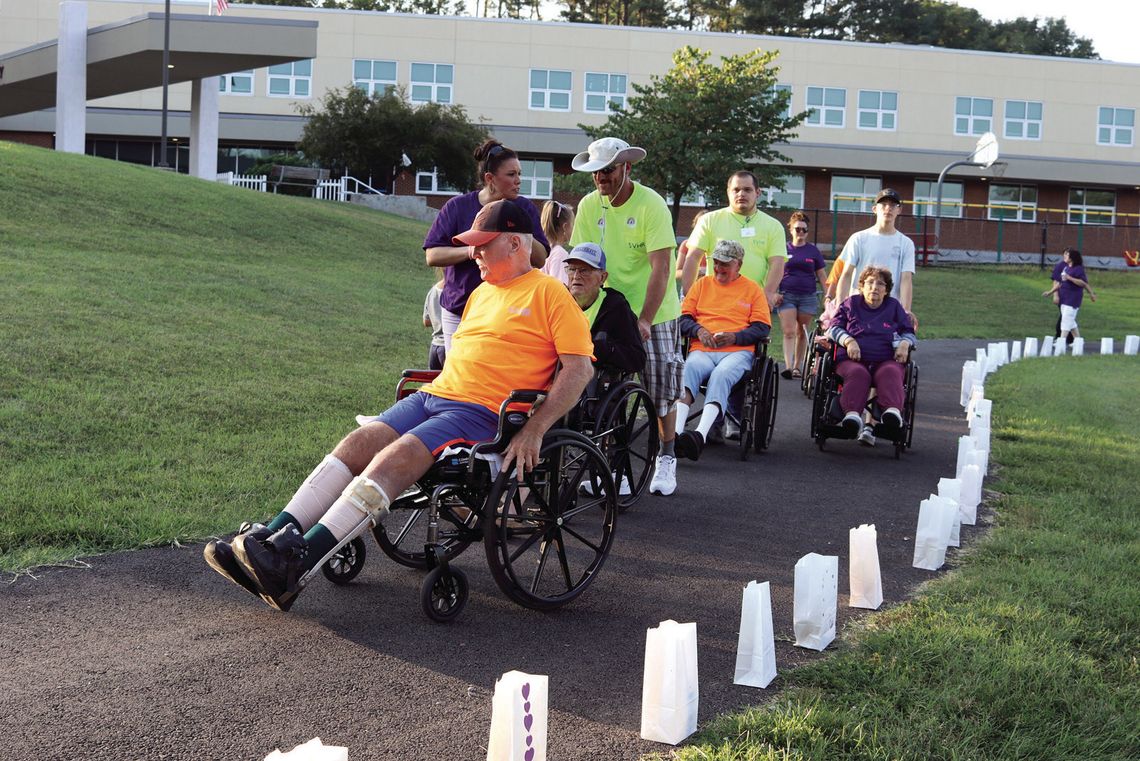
(725,308)
(836,272)
(510,337)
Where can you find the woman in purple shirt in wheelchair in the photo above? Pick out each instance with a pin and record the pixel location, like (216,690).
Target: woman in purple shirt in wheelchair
(875,335)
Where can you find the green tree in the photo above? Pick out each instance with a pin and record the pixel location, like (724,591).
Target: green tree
(703,122)
(381,135)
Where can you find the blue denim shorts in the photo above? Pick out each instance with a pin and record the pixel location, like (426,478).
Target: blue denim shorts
(808,303)
(439,422)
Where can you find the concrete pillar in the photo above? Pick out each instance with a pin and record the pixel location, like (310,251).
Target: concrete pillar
(71,78)
(204,128)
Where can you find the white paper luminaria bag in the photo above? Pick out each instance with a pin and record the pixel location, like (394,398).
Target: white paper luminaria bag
(756,645)
(519,718)
(863,568)
(935,520)
(669,688)
(815,600)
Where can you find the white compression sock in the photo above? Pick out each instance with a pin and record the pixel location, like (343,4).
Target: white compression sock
(708,416)
(319,492)
(682,416)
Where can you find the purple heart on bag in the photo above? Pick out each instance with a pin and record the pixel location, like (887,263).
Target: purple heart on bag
(526,691)
(529,741)
(527,721)
(529,754)
(526,706)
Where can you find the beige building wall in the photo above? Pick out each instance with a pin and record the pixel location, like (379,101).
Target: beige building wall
(493,58)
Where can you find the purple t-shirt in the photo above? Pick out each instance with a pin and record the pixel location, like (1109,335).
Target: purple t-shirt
(1058,268)
(873,329)
(454,218)
(800,268)
(1071,295)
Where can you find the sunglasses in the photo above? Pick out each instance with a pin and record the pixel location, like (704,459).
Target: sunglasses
(800,229)
(606,170)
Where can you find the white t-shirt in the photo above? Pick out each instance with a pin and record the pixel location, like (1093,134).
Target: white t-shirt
(868,247)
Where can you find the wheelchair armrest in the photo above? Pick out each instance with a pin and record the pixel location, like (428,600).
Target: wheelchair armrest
(510,422)
(413,376)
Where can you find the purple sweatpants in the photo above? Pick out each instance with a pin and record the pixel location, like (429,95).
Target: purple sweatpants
(886,377)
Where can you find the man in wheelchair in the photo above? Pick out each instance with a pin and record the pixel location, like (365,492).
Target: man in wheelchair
(724,314)
(618,347)
(875,335)
(518,325)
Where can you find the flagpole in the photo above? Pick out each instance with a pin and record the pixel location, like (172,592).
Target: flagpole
(165,87)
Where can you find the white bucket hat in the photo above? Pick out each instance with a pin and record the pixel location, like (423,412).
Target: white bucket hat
(608,150)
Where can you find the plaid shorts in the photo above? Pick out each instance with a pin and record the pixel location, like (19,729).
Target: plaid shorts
(664,367)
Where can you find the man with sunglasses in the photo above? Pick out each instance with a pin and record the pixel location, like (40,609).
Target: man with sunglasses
(633,226)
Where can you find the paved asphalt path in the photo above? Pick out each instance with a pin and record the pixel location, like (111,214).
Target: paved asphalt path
(151,655)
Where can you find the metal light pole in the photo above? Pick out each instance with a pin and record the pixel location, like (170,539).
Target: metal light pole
(165,86)
(984,155)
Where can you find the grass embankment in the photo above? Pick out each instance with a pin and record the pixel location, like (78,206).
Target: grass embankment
(174,352)
(1029,649)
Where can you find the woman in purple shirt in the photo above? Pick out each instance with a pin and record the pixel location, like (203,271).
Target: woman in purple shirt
(501,176)
(876,335)
(802,271)
(1069,289)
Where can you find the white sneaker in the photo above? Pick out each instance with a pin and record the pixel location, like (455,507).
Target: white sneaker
(867,436)
(587,487)
(731,429)
(664,476)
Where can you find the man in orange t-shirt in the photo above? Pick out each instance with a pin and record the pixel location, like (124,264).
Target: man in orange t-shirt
(724,314)
(518,325)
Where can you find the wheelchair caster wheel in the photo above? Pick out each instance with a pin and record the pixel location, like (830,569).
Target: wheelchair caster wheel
(342,567)
(444,593)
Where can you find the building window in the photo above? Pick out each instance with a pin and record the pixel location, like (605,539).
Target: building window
(429,183)
(973,116)
(537,179)
(291,80)
(1090,206)
(432,82)
(238,83)
(878,109)
(1014,203)
(604,91)
(926,196)
(791,197)
(854,193)
(777,89)
(374,77)
(550,90)
(1023,119)
(827,106)
(1115,125)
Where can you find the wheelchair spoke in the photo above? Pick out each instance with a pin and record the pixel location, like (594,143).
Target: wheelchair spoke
(562,561)
(567,529)
(544,551)
(410,524)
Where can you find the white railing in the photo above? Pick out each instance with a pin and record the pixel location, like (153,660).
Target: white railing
(251,181)
(331,190)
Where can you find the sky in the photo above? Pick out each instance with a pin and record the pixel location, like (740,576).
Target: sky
(1112,25)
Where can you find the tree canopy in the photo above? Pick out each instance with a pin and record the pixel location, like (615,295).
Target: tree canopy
(379,135)
(704,122)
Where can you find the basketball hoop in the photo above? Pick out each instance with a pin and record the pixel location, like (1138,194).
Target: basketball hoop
(986,151)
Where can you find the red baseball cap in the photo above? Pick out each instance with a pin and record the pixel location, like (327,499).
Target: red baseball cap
(492,220)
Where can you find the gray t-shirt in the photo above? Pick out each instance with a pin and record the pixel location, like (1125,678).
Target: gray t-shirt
(868,248)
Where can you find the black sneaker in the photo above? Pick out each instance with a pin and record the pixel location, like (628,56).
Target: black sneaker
(220,556)
(890,424)
(273,564)
(852,424)
(689,445)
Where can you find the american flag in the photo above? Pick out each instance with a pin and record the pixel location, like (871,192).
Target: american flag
(221,5)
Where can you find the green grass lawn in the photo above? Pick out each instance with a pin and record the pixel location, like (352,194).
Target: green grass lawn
(174,354)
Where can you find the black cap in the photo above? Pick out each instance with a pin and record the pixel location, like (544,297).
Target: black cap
(889,194)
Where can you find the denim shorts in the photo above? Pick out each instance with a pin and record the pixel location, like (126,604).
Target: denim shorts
(439,422)
(808,303)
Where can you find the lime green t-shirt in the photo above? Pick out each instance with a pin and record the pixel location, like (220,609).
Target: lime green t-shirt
(627,234)
(761,235)
(592,310)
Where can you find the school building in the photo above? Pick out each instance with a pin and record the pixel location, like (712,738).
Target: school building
(880,115)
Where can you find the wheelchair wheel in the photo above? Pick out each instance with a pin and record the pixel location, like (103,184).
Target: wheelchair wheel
(911,400)
(443,594)
(343,567)
(766,406)
(546,540)
(747,419)
(821,399)
(632,441)
(403,533)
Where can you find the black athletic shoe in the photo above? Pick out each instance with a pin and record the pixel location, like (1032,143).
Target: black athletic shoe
(689,445)
(220,556)
(852,424)
(890,424)
(273,564)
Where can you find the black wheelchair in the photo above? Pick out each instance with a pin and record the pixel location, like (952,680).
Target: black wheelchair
(545,540)
(826,413)
(617,414)
(759,394)
(807,367)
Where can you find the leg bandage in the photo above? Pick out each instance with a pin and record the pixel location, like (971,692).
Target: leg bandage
(361,503)
(319,491)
